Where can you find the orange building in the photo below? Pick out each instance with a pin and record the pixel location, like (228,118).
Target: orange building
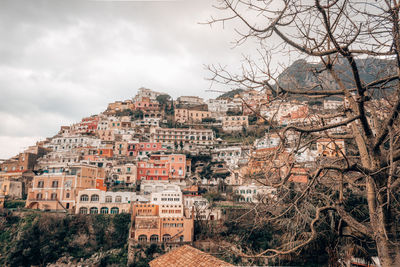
(105,152)
(58,188)
(331,148)
(299,175)
(162,167)
(100,184)
(150,226)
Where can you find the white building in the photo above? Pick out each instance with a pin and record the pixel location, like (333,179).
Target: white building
(189,136)
(94,201)
(166,197)
(202,209)
(148,187)
(333,104)
(67,143)
(231,155)
(218,106)
(190,100)
(146,93)
(221,106)
(255,193)
(149,122)
(268,141)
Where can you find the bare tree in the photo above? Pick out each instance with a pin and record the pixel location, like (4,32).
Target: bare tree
(340,35)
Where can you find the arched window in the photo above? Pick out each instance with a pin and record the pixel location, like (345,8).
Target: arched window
(94,210)
(83,211)
(108,199)
(166,238)
(84,198)
(114,210)
(104,210)
(118,199)
(142,238)
(154,239)
(94,198)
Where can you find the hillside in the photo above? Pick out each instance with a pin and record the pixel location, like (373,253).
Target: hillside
(303,74)
(230,94)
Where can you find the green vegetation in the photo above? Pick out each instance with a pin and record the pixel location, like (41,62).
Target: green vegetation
(208,120)
(125,112)
(230,94)
(40,238)
(14,204)
(144,254)
(234,113)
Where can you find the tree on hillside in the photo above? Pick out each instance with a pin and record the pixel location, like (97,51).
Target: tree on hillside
(163,99)
(359,193)
(166,104)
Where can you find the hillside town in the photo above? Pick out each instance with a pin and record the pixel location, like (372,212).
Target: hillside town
(171,163)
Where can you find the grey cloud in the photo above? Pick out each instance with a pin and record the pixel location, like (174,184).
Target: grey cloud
(63,60)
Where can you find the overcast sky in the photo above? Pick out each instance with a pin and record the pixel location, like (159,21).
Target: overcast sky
(64,60)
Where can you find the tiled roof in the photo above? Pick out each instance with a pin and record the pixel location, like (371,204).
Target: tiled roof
(187,256)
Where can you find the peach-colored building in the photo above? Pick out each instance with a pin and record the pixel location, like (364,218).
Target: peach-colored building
(183,115)
(58,188)
(150,226)
(234,123)
(106,135)
(120,106)
(121,149)
(146,104)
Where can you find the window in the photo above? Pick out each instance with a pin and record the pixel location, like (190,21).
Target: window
(166,238)
(94,210)
(39,196)
(118,199)
(83,211)
(154,239)
(94,198)
(54,184)
(84,198)
(40,184)
(53,196)
(104,210)
(108,199)
(142,239)
(67,195)
(114,210)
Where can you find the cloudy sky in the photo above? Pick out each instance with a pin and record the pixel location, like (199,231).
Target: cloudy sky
(64,60)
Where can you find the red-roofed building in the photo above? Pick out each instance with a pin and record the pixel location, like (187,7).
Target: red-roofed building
(188,256)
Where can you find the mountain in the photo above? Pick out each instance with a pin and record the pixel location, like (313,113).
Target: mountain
(230,94)
(303,74)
